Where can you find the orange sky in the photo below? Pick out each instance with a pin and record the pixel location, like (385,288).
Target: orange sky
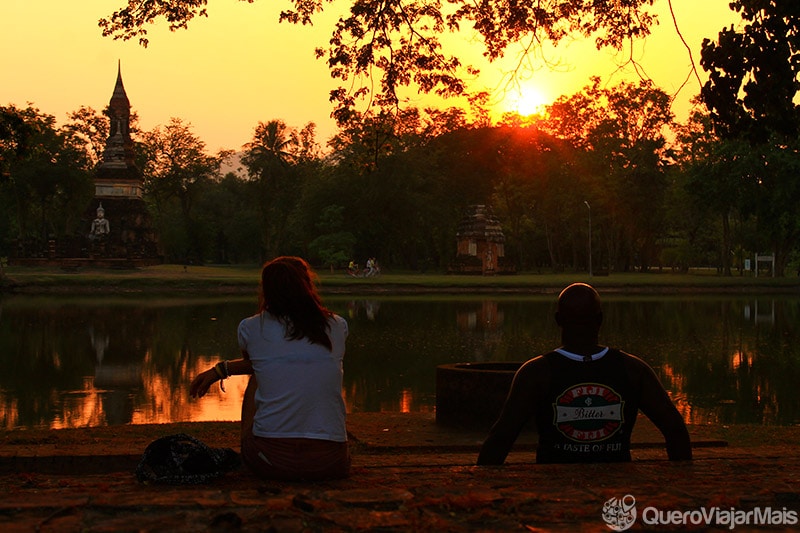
(239,66)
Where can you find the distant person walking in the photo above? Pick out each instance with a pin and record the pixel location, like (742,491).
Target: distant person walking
(293,414)
(583,397)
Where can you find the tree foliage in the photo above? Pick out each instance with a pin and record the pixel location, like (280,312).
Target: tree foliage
(275,159)
(395,186)
(89,128)
(753,72)
(751,95)
(15,137)
(333,246)
(176,171)
(402,38)
(44,172)
(620,133)
(595,169)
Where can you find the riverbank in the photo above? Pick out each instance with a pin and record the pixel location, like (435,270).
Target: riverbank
(244,280)
(408,475)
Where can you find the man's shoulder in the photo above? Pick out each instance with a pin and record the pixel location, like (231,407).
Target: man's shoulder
(542,360)
(634,364)
(628,357)
(538,360)
(535,365)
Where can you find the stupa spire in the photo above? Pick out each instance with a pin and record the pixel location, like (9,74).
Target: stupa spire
(119,97)
(117,174)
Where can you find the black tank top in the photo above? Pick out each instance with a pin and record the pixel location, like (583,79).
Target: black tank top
(590,412)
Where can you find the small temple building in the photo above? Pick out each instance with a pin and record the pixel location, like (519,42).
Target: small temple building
(480,244)
(118,223)
(116,229)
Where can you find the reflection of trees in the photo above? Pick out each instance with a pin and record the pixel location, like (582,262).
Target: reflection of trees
(720,365)
(775,369)
(391,360)
(69,365)
(730,369)
(482,322)
(124,334)
(389,354)
(36,360)
(189,336)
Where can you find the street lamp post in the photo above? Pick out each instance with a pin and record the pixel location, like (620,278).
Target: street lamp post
(590,236)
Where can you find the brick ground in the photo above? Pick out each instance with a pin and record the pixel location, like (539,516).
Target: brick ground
(408,475)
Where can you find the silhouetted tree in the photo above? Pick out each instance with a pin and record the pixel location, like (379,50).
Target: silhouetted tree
(270,158)
(44,171)
(751,94)
(177,168)
(620,130)
(401,39)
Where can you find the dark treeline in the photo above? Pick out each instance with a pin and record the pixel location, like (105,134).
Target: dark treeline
(604,170)
(395,185)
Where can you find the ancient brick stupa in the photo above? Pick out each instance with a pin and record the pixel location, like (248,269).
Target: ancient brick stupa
(481,244)
(117,222)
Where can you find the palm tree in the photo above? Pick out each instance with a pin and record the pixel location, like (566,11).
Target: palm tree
(268,158)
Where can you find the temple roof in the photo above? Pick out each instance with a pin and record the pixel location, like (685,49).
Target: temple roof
(119,97)
(479,223)
(117,168)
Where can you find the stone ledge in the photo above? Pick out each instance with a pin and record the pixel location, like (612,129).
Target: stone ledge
(426,496)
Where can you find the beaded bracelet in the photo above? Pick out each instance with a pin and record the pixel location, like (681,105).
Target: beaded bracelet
(218,368)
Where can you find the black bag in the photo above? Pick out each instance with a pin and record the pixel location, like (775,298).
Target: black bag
(183,460)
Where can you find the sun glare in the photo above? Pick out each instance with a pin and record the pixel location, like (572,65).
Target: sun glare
(526,100)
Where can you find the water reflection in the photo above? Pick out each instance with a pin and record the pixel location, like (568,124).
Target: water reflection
(483,324)
(68,362)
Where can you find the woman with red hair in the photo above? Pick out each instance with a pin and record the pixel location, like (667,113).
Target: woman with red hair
(293,414)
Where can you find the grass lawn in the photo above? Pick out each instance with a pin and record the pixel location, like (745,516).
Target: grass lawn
(244,278)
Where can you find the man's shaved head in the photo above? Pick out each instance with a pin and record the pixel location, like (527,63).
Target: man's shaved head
(579,305)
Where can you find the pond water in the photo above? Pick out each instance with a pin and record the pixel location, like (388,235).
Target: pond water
(95,361)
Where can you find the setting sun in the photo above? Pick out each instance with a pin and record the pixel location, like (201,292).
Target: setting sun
(71,64)
(526,100)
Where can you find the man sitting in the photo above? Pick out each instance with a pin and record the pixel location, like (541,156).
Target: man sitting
(584,397)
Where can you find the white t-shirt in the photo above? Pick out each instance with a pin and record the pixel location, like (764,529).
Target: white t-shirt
(299,392)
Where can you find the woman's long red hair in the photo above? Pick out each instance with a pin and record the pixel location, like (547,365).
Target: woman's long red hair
(289,293)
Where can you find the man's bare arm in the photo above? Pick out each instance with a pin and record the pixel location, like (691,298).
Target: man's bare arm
(519,407)
(658,407)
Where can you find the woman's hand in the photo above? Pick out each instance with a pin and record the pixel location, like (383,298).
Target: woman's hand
(202,383)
